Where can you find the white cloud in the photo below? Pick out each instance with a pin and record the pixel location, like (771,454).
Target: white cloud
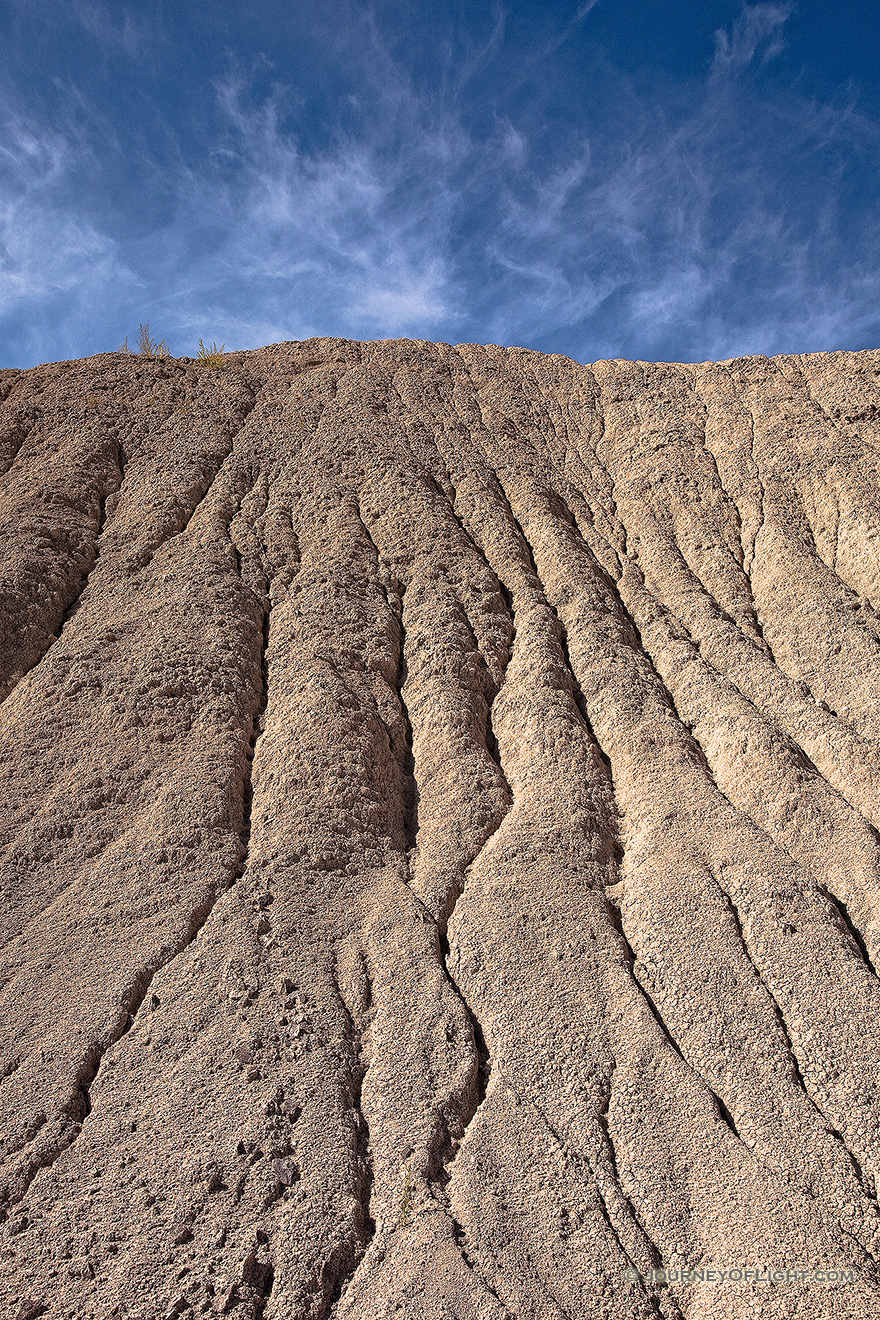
(54,261)
(664,229)
(355,235)
(757,29)
(409,299)
(115,27)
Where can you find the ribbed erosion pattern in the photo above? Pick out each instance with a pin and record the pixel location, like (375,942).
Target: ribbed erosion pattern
(438,848)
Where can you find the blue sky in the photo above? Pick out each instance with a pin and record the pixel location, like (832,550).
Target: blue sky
(646,179)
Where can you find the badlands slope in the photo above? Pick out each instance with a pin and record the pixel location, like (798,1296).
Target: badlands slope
(439,868)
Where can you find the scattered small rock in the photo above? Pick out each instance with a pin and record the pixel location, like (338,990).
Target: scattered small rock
(256,1273)
(30,1308)
(229,1297)
(286,1172)
(177,1307)
(81,1268)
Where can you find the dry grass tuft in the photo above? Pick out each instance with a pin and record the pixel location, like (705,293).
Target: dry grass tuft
(148,347)
(211,357)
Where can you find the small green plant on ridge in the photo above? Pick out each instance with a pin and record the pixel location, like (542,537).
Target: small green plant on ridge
(211,357)
(148,347)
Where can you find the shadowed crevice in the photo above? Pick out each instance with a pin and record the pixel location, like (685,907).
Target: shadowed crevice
(394,592)
(578,698)
(576,690)
(14,439)
(491,687)
(81,581)
(78,1107)
(484,1062)
(409,782)
(845,923)
(206,486)
(651,1249)
(257,730)
(337,1285)
(783,1027)
(721,1108)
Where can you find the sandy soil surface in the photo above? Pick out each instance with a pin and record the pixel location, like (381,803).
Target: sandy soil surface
(439,867)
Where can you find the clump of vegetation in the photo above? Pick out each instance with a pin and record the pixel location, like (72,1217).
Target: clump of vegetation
(123,347)
(148,347)
(211,357)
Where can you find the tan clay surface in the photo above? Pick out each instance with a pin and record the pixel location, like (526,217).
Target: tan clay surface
(439,794)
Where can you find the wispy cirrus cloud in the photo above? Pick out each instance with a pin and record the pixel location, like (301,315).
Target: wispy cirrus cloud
(56,263)
(719,218)
(759,30)
(710,228)
(116,26)
(359,230)
(264,240)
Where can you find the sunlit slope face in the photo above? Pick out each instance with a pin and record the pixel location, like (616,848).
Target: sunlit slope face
(439,855)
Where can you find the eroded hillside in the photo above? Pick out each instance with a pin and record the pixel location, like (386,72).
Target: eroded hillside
(438,836)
